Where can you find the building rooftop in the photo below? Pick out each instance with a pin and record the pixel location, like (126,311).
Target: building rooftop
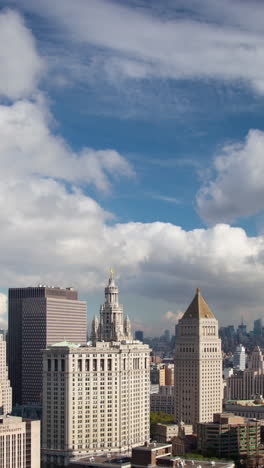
(198,308)
(152,446)
(103,460)
(65,344)
(256,402)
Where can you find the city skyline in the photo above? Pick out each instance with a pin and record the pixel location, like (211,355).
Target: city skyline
(141,152)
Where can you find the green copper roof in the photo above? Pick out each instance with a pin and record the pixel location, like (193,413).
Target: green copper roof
(65,344)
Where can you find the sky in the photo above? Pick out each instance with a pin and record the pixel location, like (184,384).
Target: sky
(132,137)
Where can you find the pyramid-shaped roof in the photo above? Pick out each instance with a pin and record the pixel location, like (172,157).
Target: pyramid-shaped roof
(198,308)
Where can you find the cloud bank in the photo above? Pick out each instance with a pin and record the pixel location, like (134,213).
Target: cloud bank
(237,189)
(21,65)
(210,44)
(53,232)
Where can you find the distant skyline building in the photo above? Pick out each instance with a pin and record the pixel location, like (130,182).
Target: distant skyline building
(96,398)
(198,365)
(257,327)
(37,317)
(5,388)
(249,383)
(139,335)
(239,361)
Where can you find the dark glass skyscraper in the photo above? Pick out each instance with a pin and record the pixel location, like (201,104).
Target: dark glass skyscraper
(38,317)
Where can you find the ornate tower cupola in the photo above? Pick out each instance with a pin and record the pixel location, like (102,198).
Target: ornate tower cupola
(111,327)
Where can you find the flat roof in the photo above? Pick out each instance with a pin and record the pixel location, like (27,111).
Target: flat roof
(152,446)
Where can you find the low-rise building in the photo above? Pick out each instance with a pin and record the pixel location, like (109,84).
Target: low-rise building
(246,408)
(165,432)
(230,436)
(152,455)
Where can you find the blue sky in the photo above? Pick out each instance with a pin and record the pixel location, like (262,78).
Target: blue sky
(132,136)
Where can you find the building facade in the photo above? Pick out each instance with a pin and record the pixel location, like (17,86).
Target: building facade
(96,398)
(245,385)
(19,443)
(38,317)
(230,436)
(5,389)
(246,408)
(198,365)
(239,361)
(163,400)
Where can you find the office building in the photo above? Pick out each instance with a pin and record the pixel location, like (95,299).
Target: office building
(139,335)
(239,361)
(96,398)
(38,317)
(257,327)
(230,436)
(5,389)
(246,408)
(165,432)
(163,400)
(198,365)
(245,385)
(19,442)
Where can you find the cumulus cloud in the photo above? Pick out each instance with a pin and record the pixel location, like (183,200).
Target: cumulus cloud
(21,65)
(28,146)
(173,317)
(209,44)
(52,231)
(237,188)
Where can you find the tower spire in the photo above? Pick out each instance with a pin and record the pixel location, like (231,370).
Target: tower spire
(112,326)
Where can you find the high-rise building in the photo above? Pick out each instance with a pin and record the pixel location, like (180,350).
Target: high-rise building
(239,361)
(19,438)
(19,442)
(198,365)
(5,389)
(96,398)
(139,335)
(257,327)
(38,317)
(245,385)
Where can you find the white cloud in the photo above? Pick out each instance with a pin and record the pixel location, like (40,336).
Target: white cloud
(210,43)
(237,189)
(28,146)
(173,317)
(21,66)
(53,232)
(3,310)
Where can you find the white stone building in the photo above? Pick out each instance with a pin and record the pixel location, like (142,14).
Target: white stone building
(96,398)
(5,389)
(198,365)
(239,360)
(19,442)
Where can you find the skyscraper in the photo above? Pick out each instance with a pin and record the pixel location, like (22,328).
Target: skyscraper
(38,317)
(19,438)
(5,389)
(96,398)
(239,362)
(139,335)
(198,365)
(249,383)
